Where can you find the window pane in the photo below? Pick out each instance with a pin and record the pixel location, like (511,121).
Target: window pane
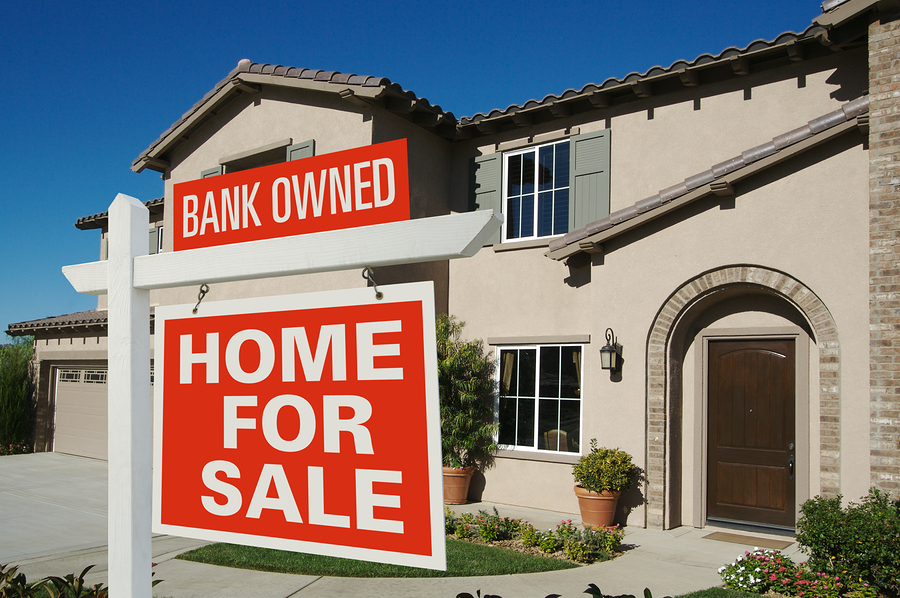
(528,173)
(509,382)
(514,175)
(527,229)
(526,423)
(507,433)
(562,164)
(570,373)
(545,213)
(545,168)
(513,217)
(549,432)
(527,358)
(550,372)
(561,212)
(570,423)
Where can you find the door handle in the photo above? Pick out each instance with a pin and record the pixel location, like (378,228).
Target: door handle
(791,468)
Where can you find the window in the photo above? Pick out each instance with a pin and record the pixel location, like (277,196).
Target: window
(536,191)
(540,398)
(545,190)
(273,153)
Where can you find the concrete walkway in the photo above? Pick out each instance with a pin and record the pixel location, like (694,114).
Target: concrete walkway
(53,522)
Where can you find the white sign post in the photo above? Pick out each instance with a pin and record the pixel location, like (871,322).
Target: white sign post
(128,276)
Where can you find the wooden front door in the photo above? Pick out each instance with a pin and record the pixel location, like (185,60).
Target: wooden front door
(750,473)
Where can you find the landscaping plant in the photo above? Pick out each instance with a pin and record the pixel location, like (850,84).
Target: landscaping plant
(466,381)
(861,541)
(604,470)
(16,396)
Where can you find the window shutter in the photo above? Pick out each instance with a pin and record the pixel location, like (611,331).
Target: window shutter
(211,172)
(589,179)
(154,240)
(487,182)
(298,151)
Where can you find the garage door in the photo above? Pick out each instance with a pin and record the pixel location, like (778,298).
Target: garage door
(80,422)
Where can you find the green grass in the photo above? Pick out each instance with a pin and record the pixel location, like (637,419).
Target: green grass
(464,559)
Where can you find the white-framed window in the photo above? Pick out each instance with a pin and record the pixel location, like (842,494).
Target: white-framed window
(536,191)
(539,400)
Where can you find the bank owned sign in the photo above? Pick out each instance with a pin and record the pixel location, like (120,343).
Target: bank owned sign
(356,187)
(305,422)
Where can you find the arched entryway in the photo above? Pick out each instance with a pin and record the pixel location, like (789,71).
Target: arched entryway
(678,322)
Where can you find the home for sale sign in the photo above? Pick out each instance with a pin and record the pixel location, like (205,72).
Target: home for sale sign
(305,422)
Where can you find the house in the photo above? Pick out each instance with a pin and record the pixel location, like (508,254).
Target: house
(727,224)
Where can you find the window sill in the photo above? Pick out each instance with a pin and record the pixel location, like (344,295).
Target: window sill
(529,244)
(567,458)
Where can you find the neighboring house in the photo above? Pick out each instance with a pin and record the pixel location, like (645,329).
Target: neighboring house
(732,219)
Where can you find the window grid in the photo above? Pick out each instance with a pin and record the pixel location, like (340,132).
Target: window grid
(536,191)
(539,403)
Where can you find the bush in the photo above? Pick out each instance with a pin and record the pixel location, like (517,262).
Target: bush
(604,470)
(763,571)
(16,396)
(466,382)
(861,541)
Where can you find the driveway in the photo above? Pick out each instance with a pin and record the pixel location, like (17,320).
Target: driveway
(51,503)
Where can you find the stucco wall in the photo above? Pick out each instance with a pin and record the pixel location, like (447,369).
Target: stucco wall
(807,217)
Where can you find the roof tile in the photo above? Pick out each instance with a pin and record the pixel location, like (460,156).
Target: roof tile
(817,125)
(698,180)
(648,204)
(792,137)
(759,152)
(723,168)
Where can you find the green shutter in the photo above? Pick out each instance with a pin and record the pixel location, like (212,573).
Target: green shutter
(298,151)
(154,239)
(211,172)
(487,181)
(589,179)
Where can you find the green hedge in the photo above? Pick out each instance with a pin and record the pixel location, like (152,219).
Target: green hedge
(16,396)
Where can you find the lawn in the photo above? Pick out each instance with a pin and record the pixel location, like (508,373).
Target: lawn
(464,559)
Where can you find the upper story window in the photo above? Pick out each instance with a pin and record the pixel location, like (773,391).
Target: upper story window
(540,397)
(544,190)
(536,191)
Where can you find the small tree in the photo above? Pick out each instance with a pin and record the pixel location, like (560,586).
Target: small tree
(16,394)
(466,380)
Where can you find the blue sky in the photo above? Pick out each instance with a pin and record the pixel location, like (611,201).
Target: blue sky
(90,85)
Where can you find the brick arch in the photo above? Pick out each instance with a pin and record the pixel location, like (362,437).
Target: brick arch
(658,364)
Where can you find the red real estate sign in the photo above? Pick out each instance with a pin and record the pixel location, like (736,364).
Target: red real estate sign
(356,187)
(304,422)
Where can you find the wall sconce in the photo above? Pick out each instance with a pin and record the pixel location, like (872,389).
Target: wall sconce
(611,353)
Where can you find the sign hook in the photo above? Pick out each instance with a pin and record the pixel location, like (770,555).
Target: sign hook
(368,275)
(204,289)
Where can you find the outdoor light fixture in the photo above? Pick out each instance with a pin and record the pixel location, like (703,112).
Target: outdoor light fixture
(611,353)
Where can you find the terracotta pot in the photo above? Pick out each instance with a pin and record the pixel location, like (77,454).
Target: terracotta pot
(597,509)
(456,484)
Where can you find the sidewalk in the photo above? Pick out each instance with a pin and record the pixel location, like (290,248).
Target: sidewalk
(53,522)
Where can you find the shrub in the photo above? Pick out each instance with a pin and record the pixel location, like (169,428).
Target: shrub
(449,521)
(530,536)
(604,470)
(860,542)
(16,391)
(763,571)
(549,542)
(466,382)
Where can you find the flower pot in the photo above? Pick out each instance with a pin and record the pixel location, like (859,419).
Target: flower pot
(597,509)
(456,484)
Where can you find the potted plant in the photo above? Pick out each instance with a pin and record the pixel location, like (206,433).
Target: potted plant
(600,478)
(466,381)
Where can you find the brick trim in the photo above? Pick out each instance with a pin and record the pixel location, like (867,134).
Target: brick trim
(884,252)
(658,364)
